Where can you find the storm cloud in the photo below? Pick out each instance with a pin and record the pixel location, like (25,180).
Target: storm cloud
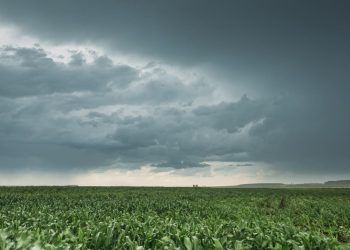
(175,85)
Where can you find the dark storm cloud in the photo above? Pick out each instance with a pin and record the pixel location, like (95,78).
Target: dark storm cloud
(279,45)
(29,71)
(47,117)
(291,56)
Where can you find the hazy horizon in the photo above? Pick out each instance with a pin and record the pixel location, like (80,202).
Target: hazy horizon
(174,93)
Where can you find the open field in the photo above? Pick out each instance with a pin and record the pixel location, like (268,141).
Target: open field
(173,218)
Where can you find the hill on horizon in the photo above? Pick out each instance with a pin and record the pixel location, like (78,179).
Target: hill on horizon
(327,184)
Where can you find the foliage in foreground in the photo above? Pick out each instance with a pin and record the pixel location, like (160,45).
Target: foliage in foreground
(173,218)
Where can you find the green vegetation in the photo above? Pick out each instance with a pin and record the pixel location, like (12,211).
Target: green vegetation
(173,218)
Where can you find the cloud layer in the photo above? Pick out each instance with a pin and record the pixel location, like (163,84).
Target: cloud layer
(118,85)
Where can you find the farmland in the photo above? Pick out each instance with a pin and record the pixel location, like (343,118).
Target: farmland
(173,218)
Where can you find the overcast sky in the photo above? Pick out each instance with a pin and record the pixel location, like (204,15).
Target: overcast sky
(174,92)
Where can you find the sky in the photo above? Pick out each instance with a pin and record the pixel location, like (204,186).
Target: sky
(174,93)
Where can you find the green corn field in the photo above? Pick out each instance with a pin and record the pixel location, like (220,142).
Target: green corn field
(173,218)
